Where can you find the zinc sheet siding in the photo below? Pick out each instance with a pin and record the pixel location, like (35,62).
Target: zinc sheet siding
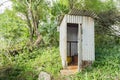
(73,19)
(63,40)
(88,39)
(88,50)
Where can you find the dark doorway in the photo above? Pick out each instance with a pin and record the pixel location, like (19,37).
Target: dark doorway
(72,44)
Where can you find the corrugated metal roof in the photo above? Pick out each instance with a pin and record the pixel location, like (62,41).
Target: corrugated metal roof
(77,12)
(82,13)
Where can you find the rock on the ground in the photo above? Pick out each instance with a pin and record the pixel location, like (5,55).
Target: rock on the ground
(44,76)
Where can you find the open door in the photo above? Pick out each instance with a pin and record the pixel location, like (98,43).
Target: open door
(72,44)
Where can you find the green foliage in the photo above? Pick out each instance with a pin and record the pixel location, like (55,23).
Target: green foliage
(12,30)
(94,5)
(49,61)
(59,8)
(106,20)
(27,66)
(14,34)
(49,33)
(97,5)
(105,67)
(107,60)
(107,13)
(34,11)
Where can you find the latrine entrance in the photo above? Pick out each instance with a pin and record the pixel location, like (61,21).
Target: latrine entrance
(72,44)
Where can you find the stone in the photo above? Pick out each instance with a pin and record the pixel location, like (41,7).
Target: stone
(44,76)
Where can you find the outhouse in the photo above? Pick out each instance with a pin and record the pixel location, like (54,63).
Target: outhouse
(77,46)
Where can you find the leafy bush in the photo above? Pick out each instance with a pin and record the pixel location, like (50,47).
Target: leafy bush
(107,62)
(27,65)
(13,31)
(105,67)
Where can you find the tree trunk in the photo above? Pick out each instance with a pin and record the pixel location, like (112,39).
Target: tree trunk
(30,28)
(35,25)
(32,20)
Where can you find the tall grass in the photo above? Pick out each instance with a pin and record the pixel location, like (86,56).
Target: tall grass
(105,67)
(27,65)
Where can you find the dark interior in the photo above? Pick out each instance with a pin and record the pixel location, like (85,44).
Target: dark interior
(72,43)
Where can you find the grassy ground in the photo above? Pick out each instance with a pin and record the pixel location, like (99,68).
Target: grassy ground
(105,67)
(27,66)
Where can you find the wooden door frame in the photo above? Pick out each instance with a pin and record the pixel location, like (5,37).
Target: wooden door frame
(79,47)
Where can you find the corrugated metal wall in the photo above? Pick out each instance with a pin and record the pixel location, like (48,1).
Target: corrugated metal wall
(88,39)
(63,42)
(88,51)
